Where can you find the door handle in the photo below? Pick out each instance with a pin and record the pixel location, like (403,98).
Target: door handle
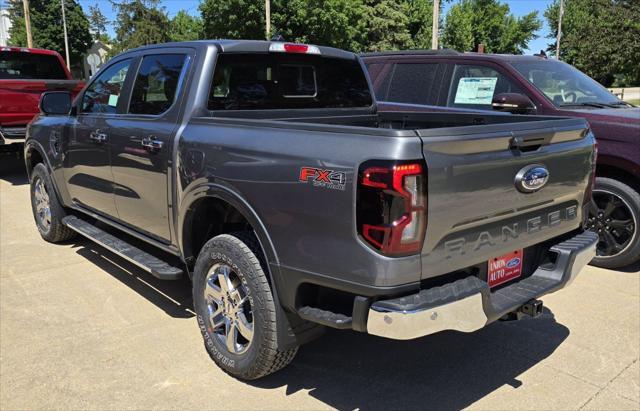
(98,137)
(151,143)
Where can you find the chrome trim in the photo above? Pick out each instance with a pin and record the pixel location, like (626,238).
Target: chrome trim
(463,315)
(468,314)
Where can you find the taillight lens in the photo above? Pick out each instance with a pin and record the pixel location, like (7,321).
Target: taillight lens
(391,208)
(592,182)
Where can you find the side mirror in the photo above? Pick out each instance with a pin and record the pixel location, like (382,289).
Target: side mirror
(513,103)
(55,103)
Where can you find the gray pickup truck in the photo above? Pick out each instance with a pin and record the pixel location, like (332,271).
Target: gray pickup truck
(263,171)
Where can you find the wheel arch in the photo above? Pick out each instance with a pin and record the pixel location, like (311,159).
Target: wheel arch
(215,201)
(616,170)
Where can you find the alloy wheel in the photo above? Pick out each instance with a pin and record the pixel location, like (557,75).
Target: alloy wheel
(42,203)
(610,216)
(229,307)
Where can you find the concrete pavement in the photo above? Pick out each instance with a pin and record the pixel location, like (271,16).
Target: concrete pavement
(80,328)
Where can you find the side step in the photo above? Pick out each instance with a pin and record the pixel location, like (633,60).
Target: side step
(142,259)
(328,318)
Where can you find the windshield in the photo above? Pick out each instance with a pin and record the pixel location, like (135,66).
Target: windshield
(25,65)
(563,84)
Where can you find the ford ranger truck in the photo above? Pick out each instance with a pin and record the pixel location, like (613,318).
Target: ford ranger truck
(24,75)
(264,172)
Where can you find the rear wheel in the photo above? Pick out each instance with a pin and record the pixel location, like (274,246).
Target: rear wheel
(235,308)
(47,211)
(614,213)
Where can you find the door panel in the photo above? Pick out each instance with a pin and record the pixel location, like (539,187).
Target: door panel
(142,145)
(87,161)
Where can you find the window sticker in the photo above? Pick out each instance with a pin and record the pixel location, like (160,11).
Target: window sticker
(113,100)
(475,90)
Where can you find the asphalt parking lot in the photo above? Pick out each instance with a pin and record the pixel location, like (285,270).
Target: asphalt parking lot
(80,328)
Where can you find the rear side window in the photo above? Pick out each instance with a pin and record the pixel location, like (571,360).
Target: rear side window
(413,83)
(26,65)
(287,81)
(474,86)
(156,85)
(103,94)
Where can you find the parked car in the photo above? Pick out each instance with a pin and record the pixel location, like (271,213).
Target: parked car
(264,172)
(25,74)
(449,81)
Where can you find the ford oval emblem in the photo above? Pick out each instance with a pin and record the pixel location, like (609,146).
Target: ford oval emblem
(532,178)
(514,262)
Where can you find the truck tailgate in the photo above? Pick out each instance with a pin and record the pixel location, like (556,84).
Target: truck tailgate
(476,212)
(19,98)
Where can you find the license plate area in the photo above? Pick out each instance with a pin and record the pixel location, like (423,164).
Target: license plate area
(504,268)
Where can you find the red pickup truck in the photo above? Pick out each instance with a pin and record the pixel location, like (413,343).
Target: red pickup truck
(24,75)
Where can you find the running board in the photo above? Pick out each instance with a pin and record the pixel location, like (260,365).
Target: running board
(142,259)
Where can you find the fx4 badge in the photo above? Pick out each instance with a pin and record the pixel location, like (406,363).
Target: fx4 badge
(323,178)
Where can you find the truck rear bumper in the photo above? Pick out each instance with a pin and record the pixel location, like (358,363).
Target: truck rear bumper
(12,135)
(468,304)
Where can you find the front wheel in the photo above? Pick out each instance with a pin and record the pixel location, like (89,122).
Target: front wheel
(614,213)
(236,309)
(47,211)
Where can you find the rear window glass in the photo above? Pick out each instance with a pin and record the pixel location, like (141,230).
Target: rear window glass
(25,65)
(286,81)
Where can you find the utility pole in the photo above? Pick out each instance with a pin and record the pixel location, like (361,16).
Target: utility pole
(561,13)
(66,38)
(434,26)
(27,22)
(267,17)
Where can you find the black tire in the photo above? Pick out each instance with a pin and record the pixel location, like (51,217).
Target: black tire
(51,229)
(628,201)
(239,252)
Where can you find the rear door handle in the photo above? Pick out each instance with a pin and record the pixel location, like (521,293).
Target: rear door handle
(98,137)
(151,143)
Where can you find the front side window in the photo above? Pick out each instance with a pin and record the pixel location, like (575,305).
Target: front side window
(563,84)
(156,85)
(103,94)
(474,86)
(286,81)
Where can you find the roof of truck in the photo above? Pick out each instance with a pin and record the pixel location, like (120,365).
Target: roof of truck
(244,46)
(452,53)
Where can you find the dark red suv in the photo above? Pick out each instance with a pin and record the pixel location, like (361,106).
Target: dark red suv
(446,80)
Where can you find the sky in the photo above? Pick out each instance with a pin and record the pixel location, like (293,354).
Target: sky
(518,7)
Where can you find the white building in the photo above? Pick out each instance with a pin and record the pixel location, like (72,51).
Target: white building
(94,59)
(5,25)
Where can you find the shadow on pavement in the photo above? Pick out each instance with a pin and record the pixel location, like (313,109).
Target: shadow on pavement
(449,370)
(12,170)
(347,370)
(633,268)
(172,297)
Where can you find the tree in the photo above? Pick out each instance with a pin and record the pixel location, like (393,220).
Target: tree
(98,23)
(489,22)
(138,23)
(336,23)
(185,27)
(47,28)
(233,19)
(600,38)
(420,20)
(387,25)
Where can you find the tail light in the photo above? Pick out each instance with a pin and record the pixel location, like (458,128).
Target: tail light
(391,207)
(592,181)
(293,48)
